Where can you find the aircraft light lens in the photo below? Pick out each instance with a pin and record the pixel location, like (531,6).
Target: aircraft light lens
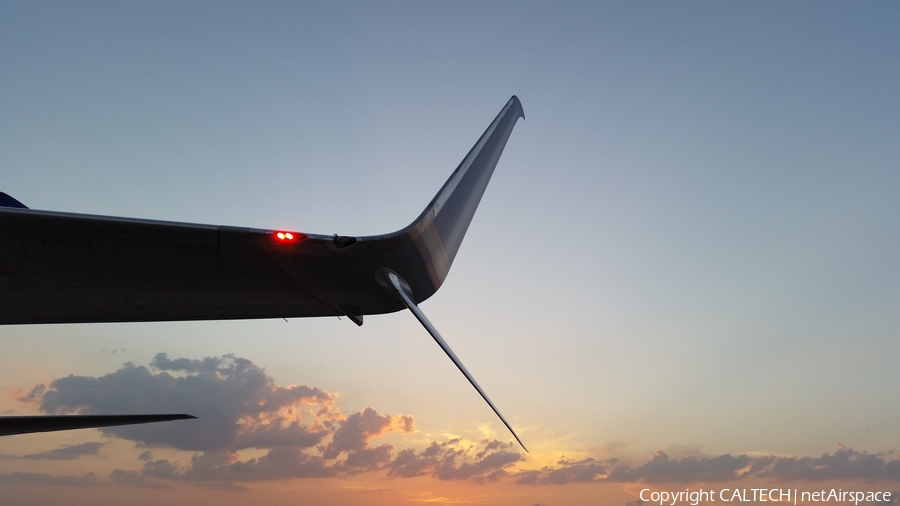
(289,236)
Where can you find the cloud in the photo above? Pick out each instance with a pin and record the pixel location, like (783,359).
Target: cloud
(686,469)
(566,471)
(135,479)
(359,427)
(447,461)
(348,452)
(45,479)
(845,463)
(68,452)
(353,435)
(222,466)
(303,434)
(237,404)
(239,407)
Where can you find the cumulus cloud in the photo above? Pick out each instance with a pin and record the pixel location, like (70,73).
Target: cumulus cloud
(449,461)
(239,407)
(353,435)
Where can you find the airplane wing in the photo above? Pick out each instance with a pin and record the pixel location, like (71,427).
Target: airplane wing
(74,268)
(11,425)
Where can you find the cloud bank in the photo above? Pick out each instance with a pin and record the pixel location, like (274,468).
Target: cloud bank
(845,463)
(239,407)
(447,461)
(303,434)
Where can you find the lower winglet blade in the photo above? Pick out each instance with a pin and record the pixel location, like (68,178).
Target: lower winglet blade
(11,425)
(397,285)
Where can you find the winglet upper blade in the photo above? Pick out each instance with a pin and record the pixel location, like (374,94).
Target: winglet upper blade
(439,230)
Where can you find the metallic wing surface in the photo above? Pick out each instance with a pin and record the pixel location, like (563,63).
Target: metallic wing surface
(73,268)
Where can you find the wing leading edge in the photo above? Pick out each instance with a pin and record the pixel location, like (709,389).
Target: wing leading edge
(73,268)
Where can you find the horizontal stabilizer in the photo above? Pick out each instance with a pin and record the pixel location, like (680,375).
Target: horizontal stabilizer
(10,425)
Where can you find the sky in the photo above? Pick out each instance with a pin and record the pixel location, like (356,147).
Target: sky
(684,274)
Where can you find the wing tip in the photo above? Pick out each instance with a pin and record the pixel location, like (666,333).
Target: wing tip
(518,105)
(520,443)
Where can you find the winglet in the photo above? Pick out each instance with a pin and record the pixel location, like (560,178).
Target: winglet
(439,230)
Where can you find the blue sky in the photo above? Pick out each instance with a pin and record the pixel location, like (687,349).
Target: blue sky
(690,244)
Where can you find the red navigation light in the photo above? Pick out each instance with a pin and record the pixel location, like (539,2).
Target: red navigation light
(289,236)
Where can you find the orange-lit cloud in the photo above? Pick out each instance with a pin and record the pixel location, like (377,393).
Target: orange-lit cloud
(447,461)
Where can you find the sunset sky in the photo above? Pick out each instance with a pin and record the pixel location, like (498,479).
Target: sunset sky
(685,272)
